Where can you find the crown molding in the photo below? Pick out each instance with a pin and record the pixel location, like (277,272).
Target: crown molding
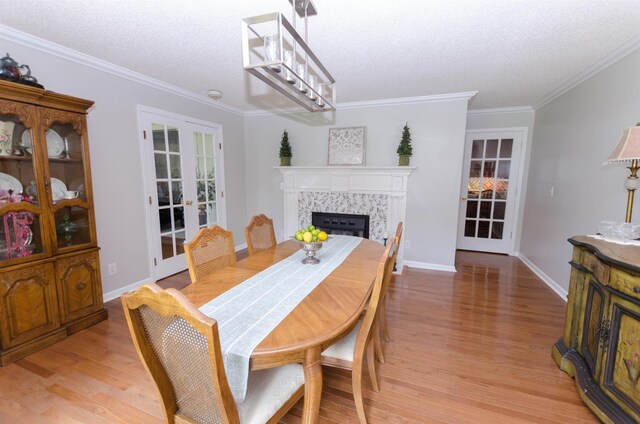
(593,69)
(48,47)
(501,110)
(466,95)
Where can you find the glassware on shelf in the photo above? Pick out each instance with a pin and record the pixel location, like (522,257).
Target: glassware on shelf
(288,60)
(302,74)
(272,50)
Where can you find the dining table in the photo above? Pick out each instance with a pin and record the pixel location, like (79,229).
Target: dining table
(329,312)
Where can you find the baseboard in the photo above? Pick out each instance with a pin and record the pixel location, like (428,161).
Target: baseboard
(241,246)
(560,291)
(427,265)
(114,294)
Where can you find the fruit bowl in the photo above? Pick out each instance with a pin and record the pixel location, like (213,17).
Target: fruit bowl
(311,247)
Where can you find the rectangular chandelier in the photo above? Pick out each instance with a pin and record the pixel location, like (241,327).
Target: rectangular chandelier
(274,52)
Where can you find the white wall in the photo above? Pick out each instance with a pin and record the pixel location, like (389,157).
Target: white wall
(574,134)
(437,132)
(506,119)
(115,155)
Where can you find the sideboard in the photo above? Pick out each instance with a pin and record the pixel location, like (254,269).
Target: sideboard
(600,346)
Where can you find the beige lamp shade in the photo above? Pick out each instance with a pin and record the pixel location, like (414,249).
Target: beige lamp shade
(628,148)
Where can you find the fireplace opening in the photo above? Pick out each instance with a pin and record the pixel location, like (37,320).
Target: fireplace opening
(342,223)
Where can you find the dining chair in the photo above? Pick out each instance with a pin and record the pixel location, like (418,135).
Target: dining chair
(260,234)
(350,351)
(211,249)
(383,305)
(180,349)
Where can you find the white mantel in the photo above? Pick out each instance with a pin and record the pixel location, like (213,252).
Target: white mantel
(381,188)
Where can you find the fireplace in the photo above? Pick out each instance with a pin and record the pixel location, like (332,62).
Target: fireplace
(342,223)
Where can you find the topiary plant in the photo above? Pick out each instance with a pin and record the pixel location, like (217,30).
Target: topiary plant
(285,147)
(405,148)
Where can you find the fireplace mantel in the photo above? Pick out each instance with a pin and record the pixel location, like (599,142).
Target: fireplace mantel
(381,189)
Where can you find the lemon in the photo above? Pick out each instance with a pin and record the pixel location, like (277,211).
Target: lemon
(299,236)
(307,236)
(322,236)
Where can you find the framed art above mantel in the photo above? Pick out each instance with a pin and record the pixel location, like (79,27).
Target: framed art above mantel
(347,146)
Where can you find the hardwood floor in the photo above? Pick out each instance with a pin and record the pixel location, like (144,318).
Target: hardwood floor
(469,347)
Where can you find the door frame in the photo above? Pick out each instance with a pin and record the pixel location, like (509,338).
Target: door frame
(517,208)
(222,215)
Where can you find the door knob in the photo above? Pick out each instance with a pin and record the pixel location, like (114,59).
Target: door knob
(188,203)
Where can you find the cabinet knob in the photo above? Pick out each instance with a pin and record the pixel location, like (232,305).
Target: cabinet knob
(636,289)
(81,285)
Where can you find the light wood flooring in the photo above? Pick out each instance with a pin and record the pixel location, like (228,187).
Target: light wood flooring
(469,347)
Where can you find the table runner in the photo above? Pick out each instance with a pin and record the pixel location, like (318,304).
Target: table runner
(248,312)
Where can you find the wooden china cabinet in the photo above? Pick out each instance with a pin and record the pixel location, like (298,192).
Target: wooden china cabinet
(49,267)
(601,343)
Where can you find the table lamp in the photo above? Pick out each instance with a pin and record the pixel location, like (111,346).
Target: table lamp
(628,150)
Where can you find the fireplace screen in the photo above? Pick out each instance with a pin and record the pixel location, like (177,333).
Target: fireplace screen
(341,223)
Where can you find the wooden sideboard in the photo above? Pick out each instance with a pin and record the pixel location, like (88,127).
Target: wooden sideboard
(600,347)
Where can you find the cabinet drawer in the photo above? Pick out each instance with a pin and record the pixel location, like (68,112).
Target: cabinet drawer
(29,304)
(626,283)
(597,268)
(80,291)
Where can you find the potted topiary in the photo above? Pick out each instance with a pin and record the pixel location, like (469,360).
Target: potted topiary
(285,150)
(404,148)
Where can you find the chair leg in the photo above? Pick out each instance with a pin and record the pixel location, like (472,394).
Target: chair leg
(356,382)
(377,343)
(371,364)
(383,319)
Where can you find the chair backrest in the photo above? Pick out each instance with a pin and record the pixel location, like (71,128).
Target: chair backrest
(260,234)
(180,349)
(211,249)
(385,266)
(398,235)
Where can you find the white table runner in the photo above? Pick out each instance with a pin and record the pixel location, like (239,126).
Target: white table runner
(247,313)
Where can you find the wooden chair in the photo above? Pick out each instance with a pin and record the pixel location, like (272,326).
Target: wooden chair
(259,234)
(350,351)
(211,249)
(180,349)
(383,305)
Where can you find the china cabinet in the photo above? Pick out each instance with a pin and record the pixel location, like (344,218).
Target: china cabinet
(600,346)
(49,266)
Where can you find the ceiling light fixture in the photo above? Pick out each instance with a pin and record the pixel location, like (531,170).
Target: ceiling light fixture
(215,94)
(274,52)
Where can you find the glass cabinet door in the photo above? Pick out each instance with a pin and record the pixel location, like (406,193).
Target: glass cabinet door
(22,221)
(64,149)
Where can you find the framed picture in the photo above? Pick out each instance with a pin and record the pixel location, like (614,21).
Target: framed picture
(347,145)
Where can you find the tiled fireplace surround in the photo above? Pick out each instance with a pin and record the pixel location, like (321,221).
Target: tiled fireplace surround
(380,192)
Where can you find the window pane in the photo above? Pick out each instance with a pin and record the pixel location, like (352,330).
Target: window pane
(504,168)
(158,138)
(476,148)
(180,238)
(178,216)
(202,215)
(485,209)
(472,209)
(473,189)
(496,231)
(174,140)
(176,192)
(498,210)
(167,246)
(475,168)
(506,146)
(502,188)
(489,169)
(163,193)
(208,144)
(164,216)
(199,143)
(213,214)
(492,149)
(176,170)
(161,166)
(202,192)
(483,229)
(469,228)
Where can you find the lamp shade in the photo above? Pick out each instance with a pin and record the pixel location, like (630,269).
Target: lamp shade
(628,148)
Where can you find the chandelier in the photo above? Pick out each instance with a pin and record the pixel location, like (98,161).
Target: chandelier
(274,52)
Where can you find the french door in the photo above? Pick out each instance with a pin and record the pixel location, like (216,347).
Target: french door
(490,177)
(184,182)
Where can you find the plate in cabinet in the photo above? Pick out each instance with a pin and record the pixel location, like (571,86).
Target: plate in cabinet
(8,182)
(55,143)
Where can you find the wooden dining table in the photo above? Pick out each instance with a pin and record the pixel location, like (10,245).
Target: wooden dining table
(325,315)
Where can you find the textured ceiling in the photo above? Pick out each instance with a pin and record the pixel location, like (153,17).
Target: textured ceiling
(514,52)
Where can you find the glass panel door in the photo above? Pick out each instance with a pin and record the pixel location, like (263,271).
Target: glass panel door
(205,179)
(66,164)
(21,214)
(488,192)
